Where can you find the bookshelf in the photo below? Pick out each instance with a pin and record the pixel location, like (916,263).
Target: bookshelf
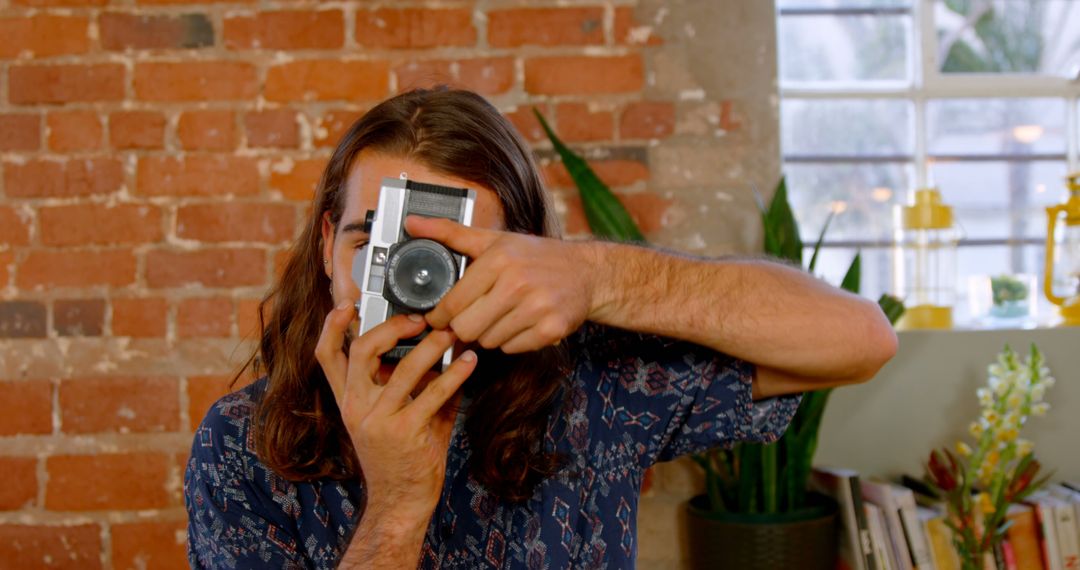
(925,398)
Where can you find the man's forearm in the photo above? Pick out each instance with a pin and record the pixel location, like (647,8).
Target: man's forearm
(761,311)
(379,544)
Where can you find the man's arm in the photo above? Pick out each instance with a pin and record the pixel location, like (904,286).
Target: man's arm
(800,332)
(380,544)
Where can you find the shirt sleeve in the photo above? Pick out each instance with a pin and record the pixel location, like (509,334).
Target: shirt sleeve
(232,524)
(670,397)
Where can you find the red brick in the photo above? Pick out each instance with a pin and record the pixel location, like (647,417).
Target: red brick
(329,128)
(139,317)
(92,405)
(545,26)
(297,179)
(63,179)
(577,123)
(236,221)
(108,482)
(162,2)
(59,2)
(34,413)
(415,28)
(223,267)
(627,30)
(563,75)
(65,268)
(161,545)
(729,118)
(44,35)
(23,319)
(14,226)
(20,132)
(29,84)
(647,210)
(328,80)
(280,259)
(197,175)
(207,130)
(202,318)
(20,486)
(647,120)
(203,391)
(247,318)
(614,173)
(286,30)
(488,76)
(196,81)
(136,130)
(7,267)
(79,317)
(276,128)
(525,122)
(63,547)
(121,31)
(74,130)
(78,224)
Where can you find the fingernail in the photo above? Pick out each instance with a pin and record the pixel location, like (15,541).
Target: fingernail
(344,305)
(469,356)
(415,317)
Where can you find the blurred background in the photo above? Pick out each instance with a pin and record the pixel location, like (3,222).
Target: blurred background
(158,156)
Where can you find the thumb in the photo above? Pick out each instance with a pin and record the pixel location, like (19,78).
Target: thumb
(460,238)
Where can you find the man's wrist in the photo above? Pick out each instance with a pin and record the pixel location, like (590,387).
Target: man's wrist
(601,278)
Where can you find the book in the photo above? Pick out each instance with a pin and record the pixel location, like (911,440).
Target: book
(1042,503)
(880,494)
(875,518)
(1067,511)
(914,530)
(856,548)
(940,538)
(1023,538)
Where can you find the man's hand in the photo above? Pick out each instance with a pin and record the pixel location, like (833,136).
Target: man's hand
(519,293)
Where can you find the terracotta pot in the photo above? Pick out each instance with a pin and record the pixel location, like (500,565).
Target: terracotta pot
(805,539)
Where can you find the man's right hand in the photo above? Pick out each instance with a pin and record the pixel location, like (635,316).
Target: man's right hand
(401,435)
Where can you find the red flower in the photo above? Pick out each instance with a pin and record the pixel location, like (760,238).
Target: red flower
(942,475)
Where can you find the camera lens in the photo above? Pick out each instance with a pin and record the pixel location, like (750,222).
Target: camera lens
(418,273)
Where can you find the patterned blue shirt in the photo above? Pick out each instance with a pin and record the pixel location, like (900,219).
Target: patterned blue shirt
(633,400)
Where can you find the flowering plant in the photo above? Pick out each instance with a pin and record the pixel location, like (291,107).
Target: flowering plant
(980,484)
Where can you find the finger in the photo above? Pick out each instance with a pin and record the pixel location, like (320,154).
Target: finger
(411,369)
(379,340)
(441,389)
(506,328)
(328,350)
(473,322)
(545,333)
(458,237)
(479,278)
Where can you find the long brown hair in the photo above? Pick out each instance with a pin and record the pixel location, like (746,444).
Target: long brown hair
(300,433)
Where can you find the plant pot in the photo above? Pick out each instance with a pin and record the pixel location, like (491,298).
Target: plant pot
(804,539)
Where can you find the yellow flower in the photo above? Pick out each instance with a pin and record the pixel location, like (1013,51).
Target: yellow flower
(963,449)
(1024,447)
(1014,401)
(1040,409)
(990,416)
(985,504)
(976,429)
(1008,434)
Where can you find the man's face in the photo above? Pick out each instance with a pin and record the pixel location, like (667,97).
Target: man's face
(362,194)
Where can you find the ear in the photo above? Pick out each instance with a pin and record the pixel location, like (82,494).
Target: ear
(328,243)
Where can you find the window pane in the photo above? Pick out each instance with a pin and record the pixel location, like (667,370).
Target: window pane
(862,193)
(1009,36)
(841,3)
(996,126)
(844,49)
(847,127)
(997,200)
(875,267)
(998,260)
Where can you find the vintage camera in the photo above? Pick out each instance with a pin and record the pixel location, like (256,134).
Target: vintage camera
(399,274)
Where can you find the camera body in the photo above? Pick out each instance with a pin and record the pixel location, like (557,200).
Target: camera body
(399,274)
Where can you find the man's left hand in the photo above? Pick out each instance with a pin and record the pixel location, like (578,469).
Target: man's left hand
(520,292)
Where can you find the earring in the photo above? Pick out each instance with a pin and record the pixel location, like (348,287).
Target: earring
(325,261)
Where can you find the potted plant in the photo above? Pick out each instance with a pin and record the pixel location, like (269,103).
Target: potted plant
(756,511)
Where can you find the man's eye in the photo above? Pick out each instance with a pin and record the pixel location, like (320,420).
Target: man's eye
(360,245)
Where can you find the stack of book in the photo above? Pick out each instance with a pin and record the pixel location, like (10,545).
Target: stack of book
(899,526)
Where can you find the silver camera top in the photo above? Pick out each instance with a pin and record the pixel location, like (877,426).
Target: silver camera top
(399,274)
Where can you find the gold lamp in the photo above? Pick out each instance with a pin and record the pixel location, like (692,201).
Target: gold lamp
(1068,305)
(925,261)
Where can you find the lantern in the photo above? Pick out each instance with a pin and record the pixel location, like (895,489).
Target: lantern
(1068,266)
(925,261)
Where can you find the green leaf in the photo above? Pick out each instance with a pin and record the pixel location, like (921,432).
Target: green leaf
(893,307)
(780,224)
(607,217)
(852,278)
(820,240)
(768,478)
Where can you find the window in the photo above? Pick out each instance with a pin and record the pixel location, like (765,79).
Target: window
(979,98)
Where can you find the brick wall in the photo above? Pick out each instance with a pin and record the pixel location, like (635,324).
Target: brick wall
(157,157)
